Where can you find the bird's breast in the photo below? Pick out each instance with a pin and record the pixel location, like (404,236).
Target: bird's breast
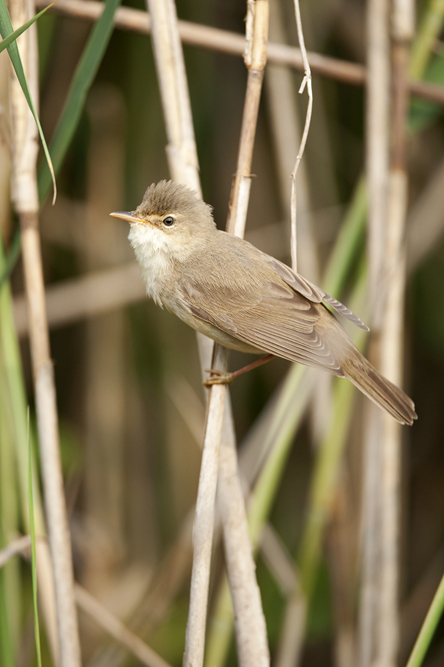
(156,273)
(154,261)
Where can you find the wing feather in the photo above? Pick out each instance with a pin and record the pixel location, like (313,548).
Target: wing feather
(264,303)
(314,293)
(276,320)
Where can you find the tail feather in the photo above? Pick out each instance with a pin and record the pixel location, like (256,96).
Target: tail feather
(363,375)
(380,390)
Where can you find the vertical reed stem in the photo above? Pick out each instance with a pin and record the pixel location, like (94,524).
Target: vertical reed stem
(377,121)
(379,629)
(24,184)
(183,165)
(392,333)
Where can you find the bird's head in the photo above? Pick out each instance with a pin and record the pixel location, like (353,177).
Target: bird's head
(171,218)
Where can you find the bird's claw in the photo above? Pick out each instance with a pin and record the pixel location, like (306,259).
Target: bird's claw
(218,377)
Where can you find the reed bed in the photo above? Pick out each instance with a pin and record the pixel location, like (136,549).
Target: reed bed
(281,521)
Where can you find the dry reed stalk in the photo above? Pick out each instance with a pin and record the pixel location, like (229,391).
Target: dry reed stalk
(45,583)
(302,230)
(157,596)
(377,121)
(339,541)
(173,569)
(14,548)
(425,221)
(183,164)
(232,43)
(295,614)
(379,628)
(293,627)
(188,405)
(104,401)
(102,291)
(205,516)
(306,83)
(287,140)
(250,623)
(402,27)
(251,632)
(293,632)
(278,560)
(116,629)
(91,295)
(286,133)
(181,148)
(24,186)
(93,608)
(377,155)
(255,58)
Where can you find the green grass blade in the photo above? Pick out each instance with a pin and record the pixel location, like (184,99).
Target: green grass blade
(12,374)
(423,113)
(11,259)
(428,628)
(428,32)
(10,580)
(6,30)
(349,244)
(6,645)
(33,555)
(83,78)
(13,36)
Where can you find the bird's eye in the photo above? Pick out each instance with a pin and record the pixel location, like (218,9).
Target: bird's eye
(168,221)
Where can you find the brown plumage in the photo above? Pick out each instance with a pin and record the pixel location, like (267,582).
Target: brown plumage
(232,292)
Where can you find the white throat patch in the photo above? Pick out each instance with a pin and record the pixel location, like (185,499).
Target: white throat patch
(153,252)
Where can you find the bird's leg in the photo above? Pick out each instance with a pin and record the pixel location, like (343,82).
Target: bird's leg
(219,377)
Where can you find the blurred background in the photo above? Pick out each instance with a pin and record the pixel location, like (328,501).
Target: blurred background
(130,399)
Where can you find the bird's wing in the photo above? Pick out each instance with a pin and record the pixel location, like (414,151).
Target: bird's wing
(271,316)
(313,293)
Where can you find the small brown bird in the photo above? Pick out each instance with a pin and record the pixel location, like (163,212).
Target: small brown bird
(242,298)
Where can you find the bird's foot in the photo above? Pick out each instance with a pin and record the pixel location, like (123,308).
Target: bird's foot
(218,377)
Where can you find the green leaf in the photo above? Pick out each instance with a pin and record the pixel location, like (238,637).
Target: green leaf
(6,31)
(6,642)
(33,553)
(84,76)
(13,36)
(422,112)
(428,628)
(11,259)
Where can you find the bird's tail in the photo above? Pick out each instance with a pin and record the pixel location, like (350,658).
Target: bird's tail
(364,376)
(380,390)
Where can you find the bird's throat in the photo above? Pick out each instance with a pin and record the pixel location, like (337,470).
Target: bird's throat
(153,254)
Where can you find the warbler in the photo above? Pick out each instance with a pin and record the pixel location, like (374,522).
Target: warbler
(243,298)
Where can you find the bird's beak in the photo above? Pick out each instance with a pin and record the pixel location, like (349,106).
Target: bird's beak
(129,216)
